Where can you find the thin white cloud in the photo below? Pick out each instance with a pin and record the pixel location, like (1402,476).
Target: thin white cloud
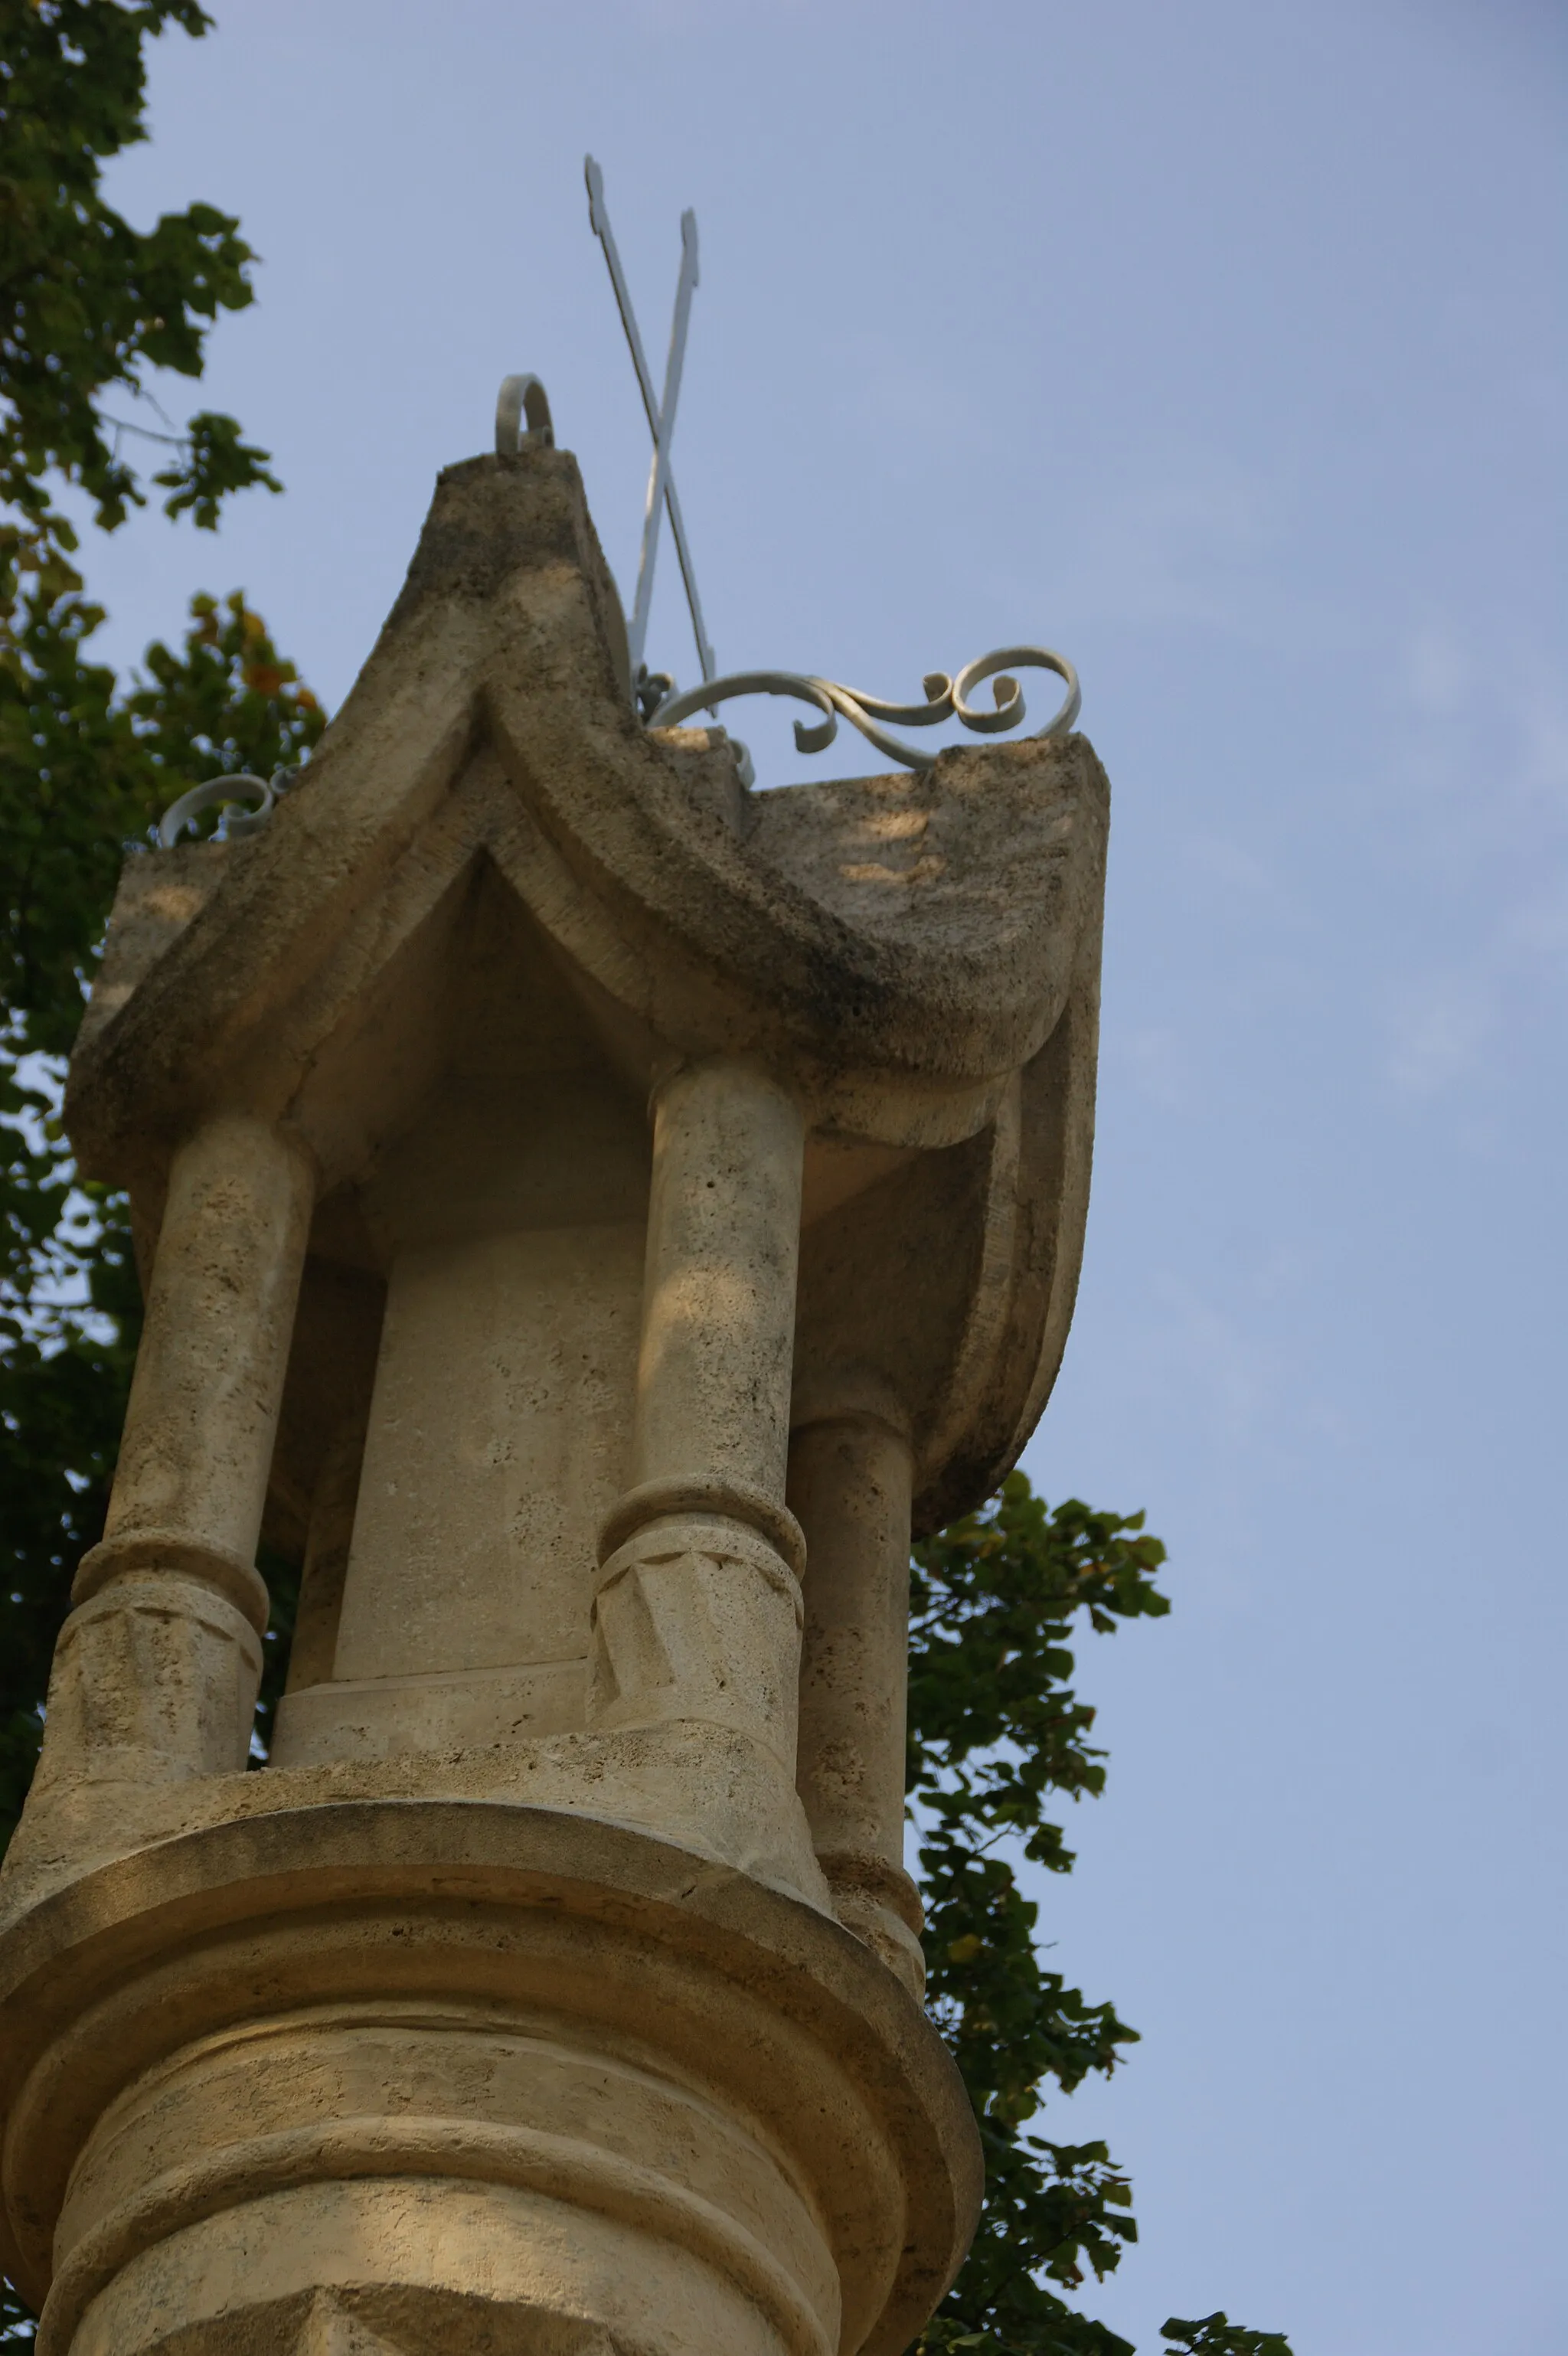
(1438,1031)
(1483,780)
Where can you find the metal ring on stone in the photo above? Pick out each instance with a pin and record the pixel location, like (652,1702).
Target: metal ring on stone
(520,398)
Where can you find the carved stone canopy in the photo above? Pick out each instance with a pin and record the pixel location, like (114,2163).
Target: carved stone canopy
(491,875)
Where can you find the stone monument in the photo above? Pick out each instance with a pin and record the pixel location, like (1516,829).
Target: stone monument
(590,1213)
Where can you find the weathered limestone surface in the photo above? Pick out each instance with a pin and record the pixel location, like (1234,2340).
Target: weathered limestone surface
(594,1214)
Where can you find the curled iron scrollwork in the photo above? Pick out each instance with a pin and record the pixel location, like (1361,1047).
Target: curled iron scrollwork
(946,699)
(236,820)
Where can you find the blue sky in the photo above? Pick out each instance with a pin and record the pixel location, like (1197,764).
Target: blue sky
(1223,347)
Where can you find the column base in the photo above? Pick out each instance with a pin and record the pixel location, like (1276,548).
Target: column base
(387,2077)
(151,1702)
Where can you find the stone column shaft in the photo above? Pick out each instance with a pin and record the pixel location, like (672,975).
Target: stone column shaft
(697,1610)
(156,1669)
(713,1380)
(203,1411)
(849,1483)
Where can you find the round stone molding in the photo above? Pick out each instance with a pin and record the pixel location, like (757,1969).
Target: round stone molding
(467,2023)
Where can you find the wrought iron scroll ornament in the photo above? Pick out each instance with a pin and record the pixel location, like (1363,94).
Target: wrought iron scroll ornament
(946,699)
(523,417)
(236,819)
(662,705)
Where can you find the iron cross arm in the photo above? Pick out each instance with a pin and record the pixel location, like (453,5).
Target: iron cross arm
(662,493)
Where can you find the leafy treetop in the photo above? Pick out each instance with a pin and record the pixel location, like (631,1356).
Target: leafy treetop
(86,766)
(997,1733)
(88,302)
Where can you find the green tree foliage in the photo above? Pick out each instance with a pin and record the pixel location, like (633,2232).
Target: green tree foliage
(1214,2336)
(996,1732)
(87,766)
(996,1729)
(88,304)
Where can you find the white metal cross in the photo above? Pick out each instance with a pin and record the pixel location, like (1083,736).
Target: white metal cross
(662,492)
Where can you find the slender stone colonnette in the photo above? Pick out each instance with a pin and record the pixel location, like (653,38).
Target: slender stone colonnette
(592,1213)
